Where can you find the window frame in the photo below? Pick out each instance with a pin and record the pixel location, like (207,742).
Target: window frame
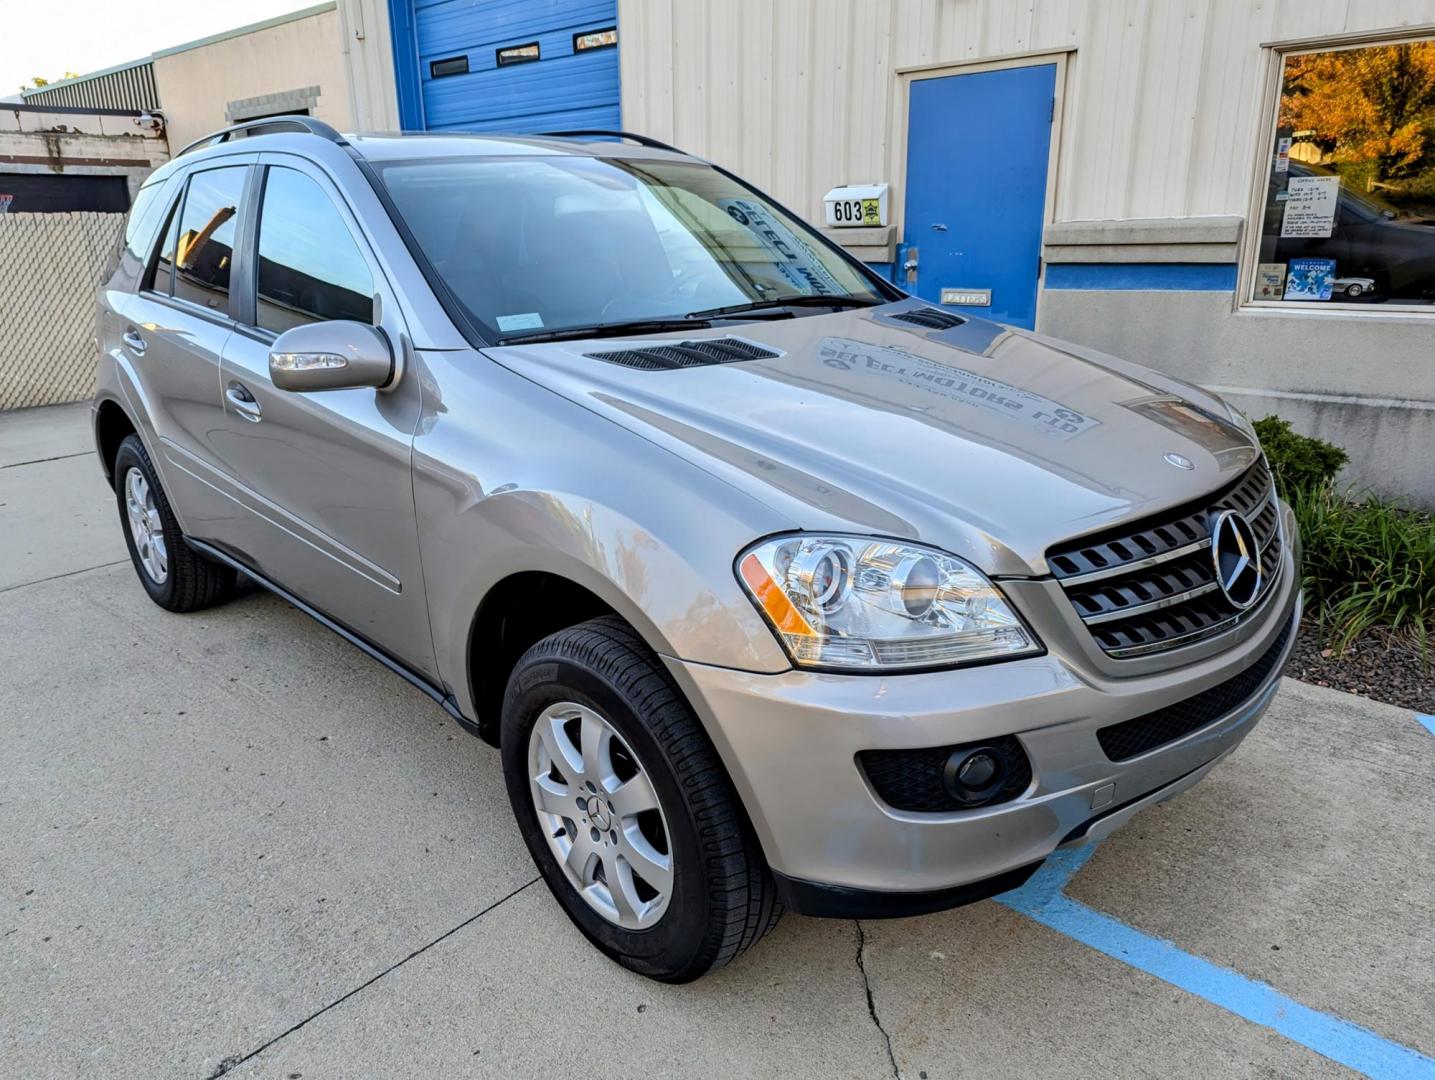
(227,316)
(500,62)
(1267,119)
(434,73)
(261,188)
(386,301)
(580,34)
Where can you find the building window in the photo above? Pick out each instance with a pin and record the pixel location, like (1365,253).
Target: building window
(517,54)
(453,65)
(595,39)
(1347,212)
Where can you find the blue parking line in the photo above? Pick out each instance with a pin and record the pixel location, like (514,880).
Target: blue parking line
(1358,1048)
(1427,720)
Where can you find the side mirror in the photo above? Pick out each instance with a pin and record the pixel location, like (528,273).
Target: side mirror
(339,355)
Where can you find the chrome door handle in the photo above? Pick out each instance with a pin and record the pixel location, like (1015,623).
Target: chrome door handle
(136,343)
(243,402)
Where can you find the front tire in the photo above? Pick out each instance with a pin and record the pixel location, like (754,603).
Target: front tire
(176,577)
(625,806)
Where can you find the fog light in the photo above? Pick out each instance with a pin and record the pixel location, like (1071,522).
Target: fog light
(974,776)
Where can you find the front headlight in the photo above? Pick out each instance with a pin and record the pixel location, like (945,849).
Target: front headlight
(850,602)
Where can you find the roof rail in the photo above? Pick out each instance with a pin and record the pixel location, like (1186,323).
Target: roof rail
(641,140)
(290,122)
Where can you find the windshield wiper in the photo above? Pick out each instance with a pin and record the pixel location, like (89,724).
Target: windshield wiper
(757,306)
(694,320)
(614,329)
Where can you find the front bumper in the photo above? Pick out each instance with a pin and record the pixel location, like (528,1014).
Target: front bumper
(790,742)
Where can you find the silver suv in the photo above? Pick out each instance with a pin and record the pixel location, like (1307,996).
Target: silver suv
(774,586)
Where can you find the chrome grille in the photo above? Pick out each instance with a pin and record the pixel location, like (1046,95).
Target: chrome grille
(1152,586)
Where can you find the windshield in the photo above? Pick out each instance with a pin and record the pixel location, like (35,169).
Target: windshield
(536,244)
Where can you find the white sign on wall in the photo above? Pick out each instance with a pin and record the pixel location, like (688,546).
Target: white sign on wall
(1310,208)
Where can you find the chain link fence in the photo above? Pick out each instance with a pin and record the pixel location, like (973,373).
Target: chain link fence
(50,266)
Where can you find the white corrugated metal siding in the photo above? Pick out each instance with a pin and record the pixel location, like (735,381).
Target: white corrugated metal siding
(1162,99)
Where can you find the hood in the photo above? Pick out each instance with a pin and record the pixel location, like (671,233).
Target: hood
(989,442)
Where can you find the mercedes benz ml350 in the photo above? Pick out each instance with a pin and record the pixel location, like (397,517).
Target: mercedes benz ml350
(775,587)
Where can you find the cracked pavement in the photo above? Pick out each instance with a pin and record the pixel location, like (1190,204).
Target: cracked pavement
(235,845)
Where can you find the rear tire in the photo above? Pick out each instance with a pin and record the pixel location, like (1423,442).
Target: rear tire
(176,577)
(714,897)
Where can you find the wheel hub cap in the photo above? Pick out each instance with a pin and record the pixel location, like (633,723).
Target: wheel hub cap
(598,809)
(146,528)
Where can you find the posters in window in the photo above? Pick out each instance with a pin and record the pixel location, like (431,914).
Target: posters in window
(1309,279)
(1283,154)
(1270,281)
(1310,207)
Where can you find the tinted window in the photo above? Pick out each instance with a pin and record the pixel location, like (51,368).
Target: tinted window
(310,268)
(161,277)
(207,227)
(144,219)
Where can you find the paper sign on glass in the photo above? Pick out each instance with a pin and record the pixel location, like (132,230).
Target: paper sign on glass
(1283,154)
(1310,210)
(1270,281)
(1309,279)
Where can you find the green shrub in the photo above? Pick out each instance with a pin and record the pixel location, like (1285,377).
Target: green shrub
(1298,461)
(1368,563)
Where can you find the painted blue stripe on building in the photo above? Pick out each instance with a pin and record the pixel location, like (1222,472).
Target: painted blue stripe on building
(1174,277)
(1428,721)
(1349,1044)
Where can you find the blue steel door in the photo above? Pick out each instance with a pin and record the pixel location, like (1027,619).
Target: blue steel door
(977,150)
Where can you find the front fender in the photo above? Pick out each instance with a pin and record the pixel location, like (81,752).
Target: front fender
(510,477)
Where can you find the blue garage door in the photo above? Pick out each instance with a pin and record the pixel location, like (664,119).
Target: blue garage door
(515,65)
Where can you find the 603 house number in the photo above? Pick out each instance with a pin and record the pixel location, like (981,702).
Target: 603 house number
(856,212)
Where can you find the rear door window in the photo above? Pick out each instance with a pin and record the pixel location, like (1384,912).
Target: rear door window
(310,266)
(203,254)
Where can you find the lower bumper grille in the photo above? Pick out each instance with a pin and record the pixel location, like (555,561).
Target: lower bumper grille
(912,780)
(1151,586)
(1142,733)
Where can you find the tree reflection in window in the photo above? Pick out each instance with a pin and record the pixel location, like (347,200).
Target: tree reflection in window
(1349,213)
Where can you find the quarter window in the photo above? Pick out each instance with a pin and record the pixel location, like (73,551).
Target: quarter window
(161,274)
(143,221)
(310,267)
(204,252)
(1348,208)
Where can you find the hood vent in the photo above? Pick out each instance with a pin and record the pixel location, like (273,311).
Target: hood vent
(685,354)
(929,317)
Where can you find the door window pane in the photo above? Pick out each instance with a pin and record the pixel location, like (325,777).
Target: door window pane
(1349,213)
(310,268)
(207,228)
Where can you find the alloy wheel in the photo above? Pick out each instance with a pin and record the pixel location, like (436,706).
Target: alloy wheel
(600,814)
(146,528)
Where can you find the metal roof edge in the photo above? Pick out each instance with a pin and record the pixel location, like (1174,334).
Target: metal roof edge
(250,28)
(87,76)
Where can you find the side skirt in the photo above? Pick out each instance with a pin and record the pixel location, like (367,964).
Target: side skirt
(398,667)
